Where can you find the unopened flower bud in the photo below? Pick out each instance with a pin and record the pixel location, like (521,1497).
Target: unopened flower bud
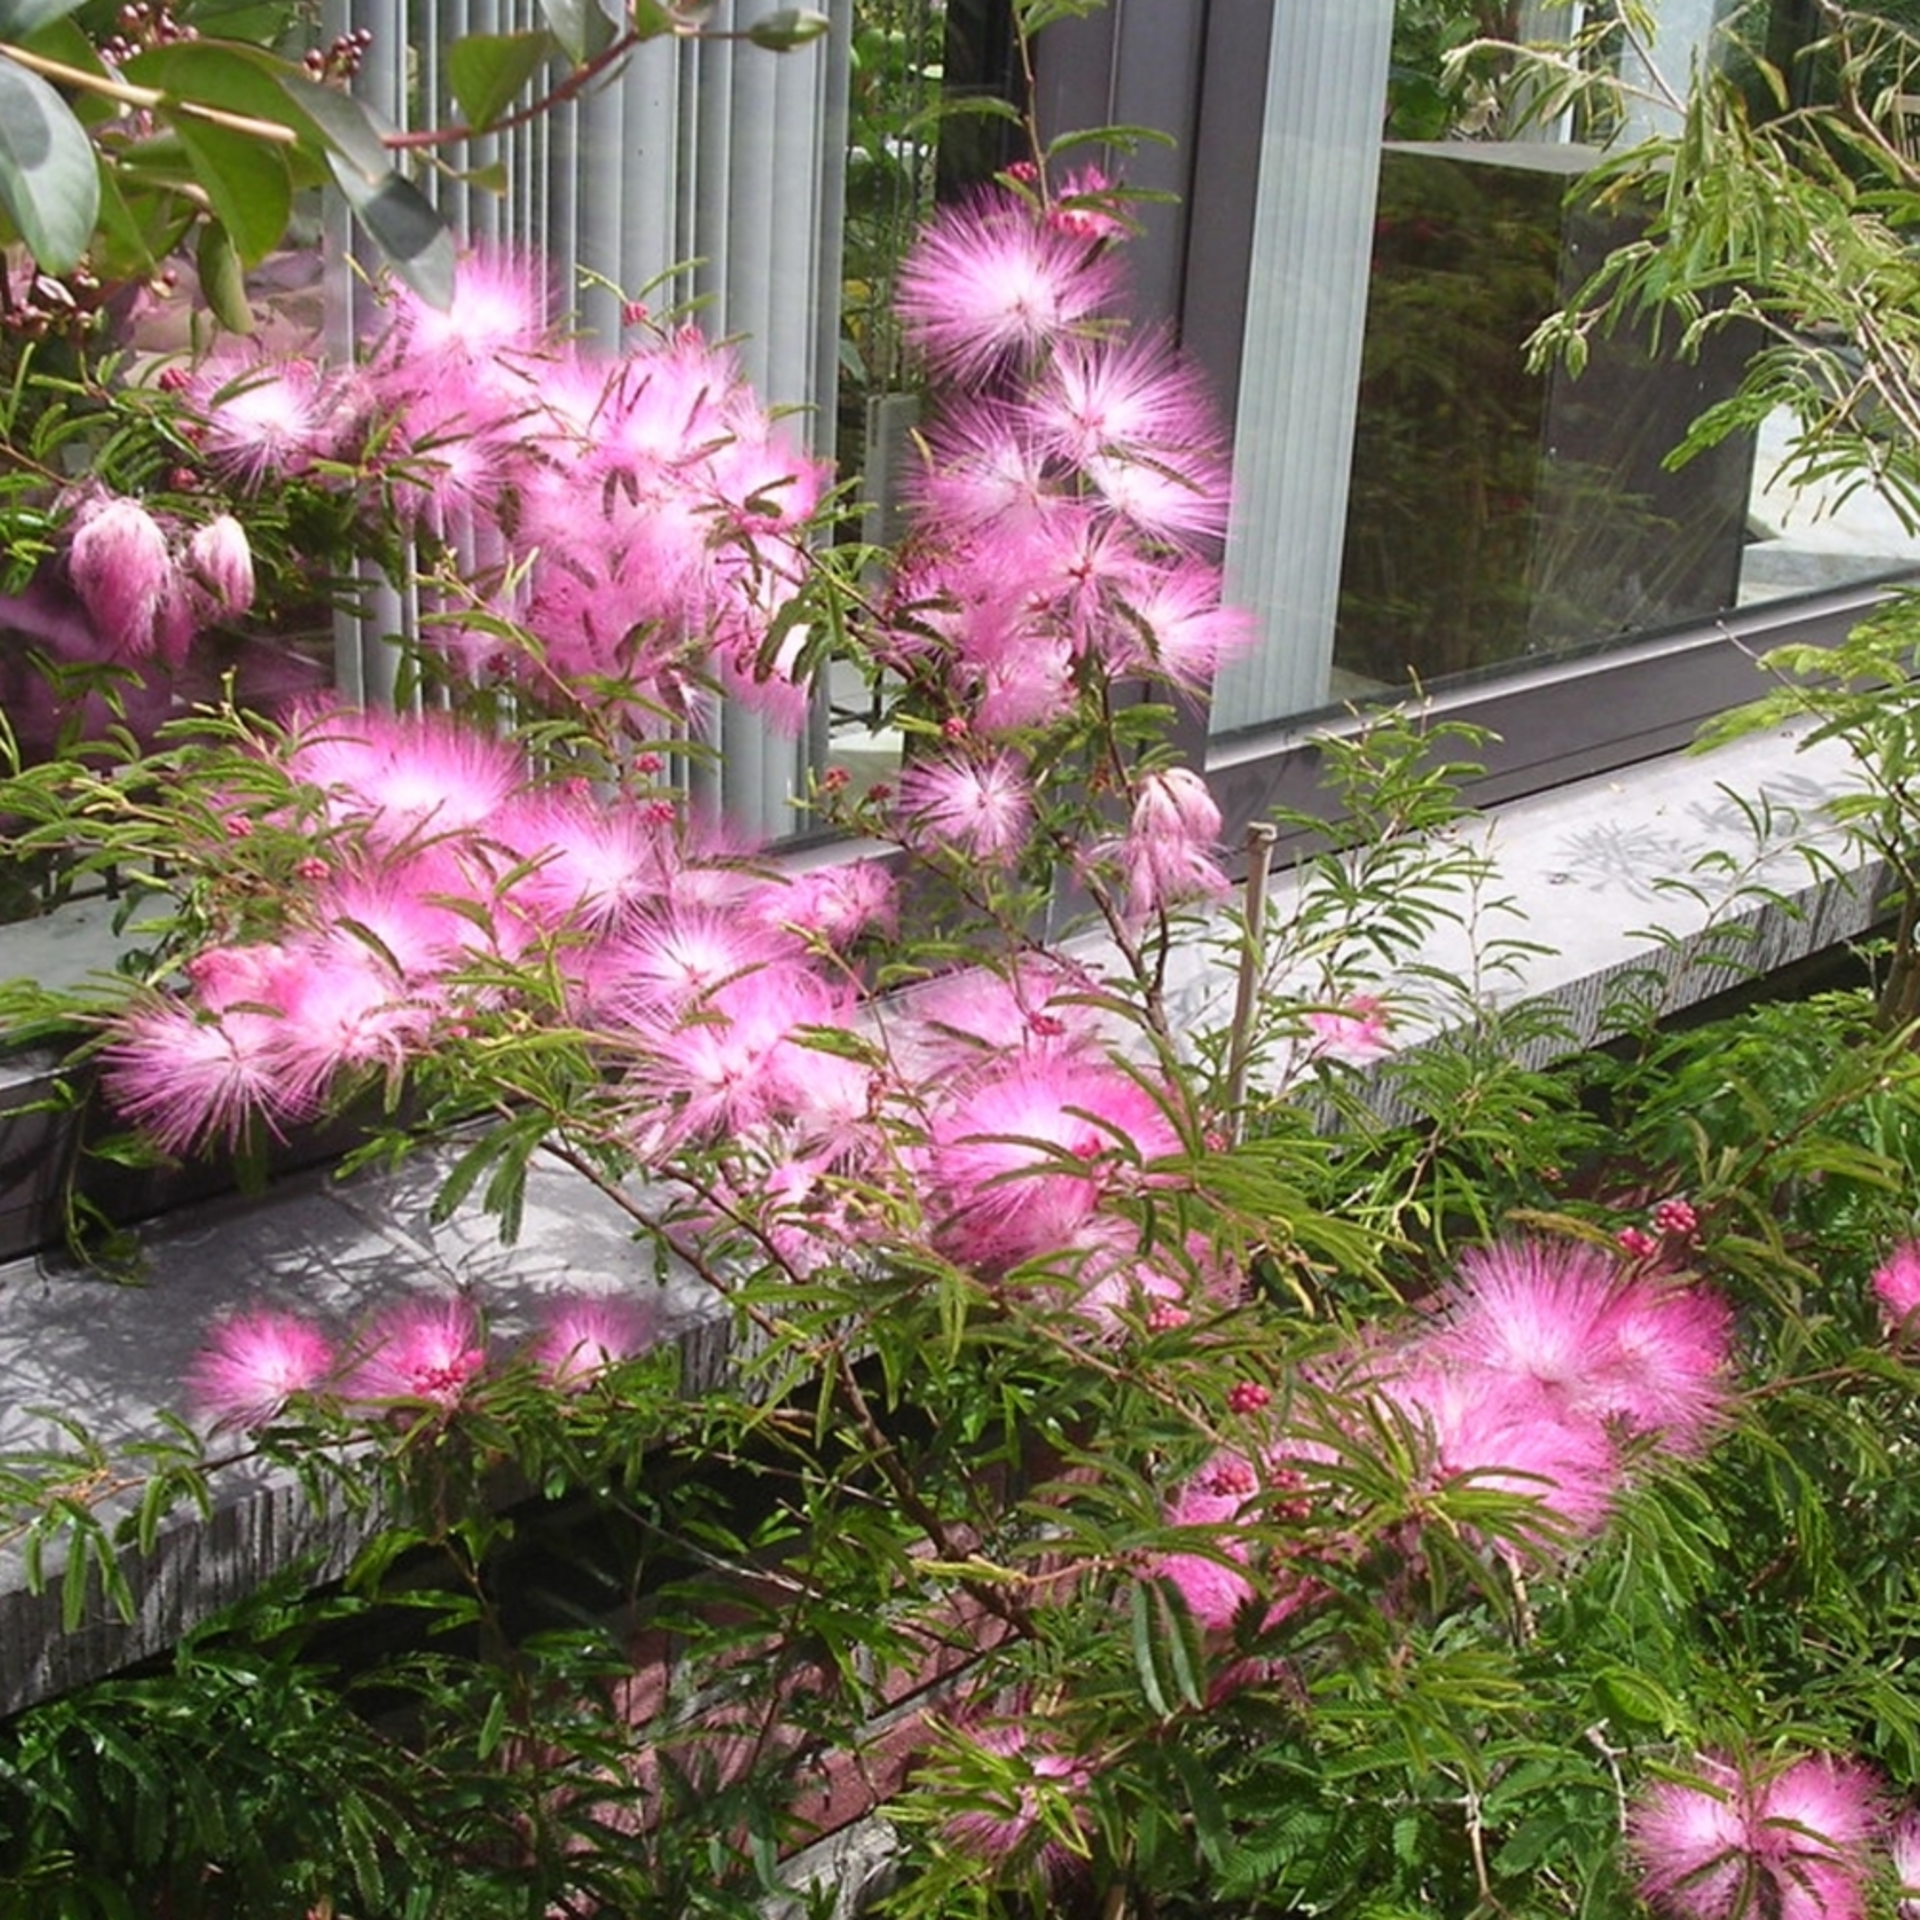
(1175,803)
(221,563)
(1676,1217)
(125,577)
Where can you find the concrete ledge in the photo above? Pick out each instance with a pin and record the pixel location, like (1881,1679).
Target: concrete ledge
(106,1355)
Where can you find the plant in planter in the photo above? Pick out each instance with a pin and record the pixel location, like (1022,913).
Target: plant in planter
(1159,1470)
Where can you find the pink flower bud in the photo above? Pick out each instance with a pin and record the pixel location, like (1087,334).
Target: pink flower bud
(1175,804)
(221,563)
(126,580)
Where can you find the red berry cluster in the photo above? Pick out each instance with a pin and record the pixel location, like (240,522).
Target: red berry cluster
(143,24)
(341,60)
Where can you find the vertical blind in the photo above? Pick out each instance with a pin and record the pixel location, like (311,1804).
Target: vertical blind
(712,158)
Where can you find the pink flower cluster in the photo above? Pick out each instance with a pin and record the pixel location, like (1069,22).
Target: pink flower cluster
(991,1105)
(1793,1838)
(1066,527)
(640,516)
(441,857)
(422,1354)
(1542,1371)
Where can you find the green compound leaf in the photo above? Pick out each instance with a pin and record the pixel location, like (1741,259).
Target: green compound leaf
(49,180)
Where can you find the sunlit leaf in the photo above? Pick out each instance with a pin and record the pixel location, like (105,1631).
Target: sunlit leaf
(488,70)
(245,179)
(789,28)
(347,126)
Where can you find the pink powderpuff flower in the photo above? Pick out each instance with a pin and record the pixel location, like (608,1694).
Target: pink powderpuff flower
(983,467)
(1733,1841)
(403,778)
(402,913)
(584,864)
(1171,624)
(662,966)
(997,1826)
(458,443)
(1019,1159)
(259,418)
(254,1363)
(343,1009)
(187,1077)
(1691,1841)
(734,1062)
(1649,1355)
(1358,1030)
(1081,568)
(498,311)
(220,566)
(1120,398)
(966,1018)
(992,282)
(1167,856)
(1504,1434)
(1227,1493)
(1896,1284)
(423,1350)
(1904,1847)
(582,1337)
(123,570)
(835,904)
(979,808)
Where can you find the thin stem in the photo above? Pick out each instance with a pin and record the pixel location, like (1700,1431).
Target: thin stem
(582,77)
(1260,842)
